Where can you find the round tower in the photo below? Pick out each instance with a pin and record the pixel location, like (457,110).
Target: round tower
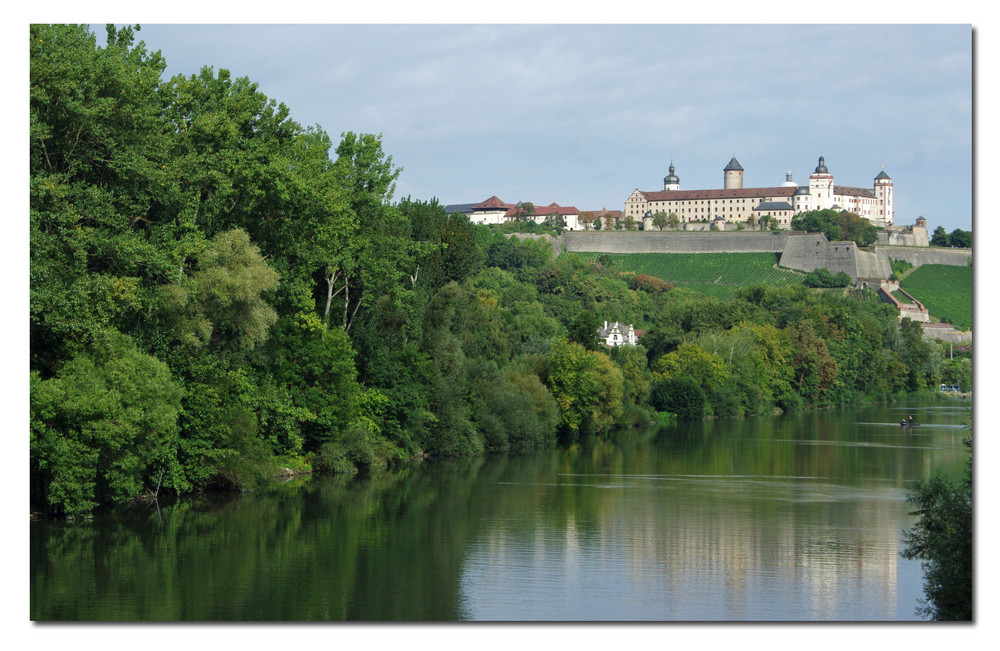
(670,181)
(789,183)
(821,186)
(733,179)
(883,194)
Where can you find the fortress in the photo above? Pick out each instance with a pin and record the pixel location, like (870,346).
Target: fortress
(734,203)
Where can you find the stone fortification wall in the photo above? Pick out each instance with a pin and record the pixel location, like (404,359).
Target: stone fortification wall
(946,332)
(674,242)
(812,251)
(929,255)
(904,236)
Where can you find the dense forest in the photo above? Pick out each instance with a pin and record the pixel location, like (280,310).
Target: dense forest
(217,292)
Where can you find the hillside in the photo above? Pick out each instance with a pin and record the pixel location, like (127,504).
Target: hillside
(945,290)
(714,274)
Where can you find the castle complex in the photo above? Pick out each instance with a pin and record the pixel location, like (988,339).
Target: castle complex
(734,203)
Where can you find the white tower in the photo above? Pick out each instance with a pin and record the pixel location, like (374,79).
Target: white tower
(733,179)
(821,186)
(883,194)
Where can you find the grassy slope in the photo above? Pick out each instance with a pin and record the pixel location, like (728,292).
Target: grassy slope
(714,274)
(945,290)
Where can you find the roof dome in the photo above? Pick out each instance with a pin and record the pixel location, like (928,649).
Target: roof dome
(821,168)
(789,183)
(734,165)
(671,178)
(800,191)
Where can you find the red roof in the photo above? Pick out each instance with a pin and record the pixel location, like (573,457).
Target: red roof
(493,203)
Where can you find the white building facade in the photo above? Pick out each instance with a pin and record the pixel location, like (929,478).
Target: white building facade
(734,203)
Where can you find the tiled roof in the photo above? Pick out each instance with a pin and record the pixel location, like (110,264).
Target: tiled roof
(459,207)
(493,203)
(774,205)
(732,193)
(846,191)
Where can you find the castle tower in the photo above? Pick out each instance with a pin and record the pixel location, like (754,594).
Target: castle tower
(883,194)
(670,181)
(789,183)
(733,179)
(821,186)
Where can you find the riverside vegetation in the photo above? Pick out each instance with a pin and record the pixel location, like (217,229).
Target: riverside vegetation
(217,293)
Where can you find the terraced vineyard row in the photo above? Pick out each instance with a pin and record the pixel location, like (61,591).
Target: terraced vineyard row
(714,274)
(945,291)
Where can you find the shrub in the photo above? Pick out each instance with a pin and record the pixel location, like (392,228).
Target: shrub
(682,396)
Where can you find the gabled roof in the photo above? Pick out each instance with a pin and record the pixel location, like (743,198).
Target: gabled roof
(553,209)
(493,203)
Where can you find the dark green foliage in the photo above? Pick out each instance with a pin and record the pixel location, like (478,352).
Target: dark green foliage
(823,278)
(836,226)
(960,239)
(682,396)
(942,539)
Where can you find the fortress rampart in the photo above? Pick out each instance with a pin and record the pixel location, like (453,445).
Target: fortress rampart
(801,251)
(673,242)
(930,255)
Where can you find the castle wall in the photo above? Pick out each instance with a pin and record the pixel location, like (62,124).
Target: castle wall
(929,255)
(674,242)
(908,236)
(812,251)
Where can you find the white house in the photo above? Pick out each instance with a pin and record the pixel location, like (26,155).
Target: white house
(617,334)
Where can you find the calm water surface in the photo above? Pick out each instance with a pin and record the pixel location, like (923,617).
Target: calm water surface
(786,518)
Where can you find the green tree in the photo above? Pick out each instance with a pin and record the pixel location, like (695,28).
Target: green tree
(961,239)
(690,360)
(221,300)
(660,220)
(92,440)
(940,237)
(942,539)
(586,386)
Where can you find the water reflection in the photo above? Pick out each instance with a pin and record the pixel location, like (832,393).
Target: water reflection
(778,518)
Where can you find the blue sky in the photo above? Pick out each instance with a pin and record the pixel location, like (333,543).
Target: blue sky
(583,114)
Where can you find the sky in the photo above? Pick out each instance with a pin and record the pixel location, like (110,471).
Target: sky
(581,115)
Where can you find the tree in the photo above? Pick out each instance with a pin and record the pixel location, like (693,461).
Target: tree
(940,237)
(587,219)
(942,539)
(92,440)
(221,300)
(960,239)
(660,219)
(752,222)
(586,385)
(673,221)
(523,211)
(691,361)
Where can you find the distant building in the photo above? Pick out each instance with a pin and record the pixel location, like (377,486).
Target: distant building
(496,211)
(734,203)
(617,334)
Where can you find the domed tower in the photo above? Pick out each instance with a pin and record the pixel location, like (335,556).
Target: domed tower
(670,181)
(789,183)
(801,199)
(733,179)
(821,186)
(883,194)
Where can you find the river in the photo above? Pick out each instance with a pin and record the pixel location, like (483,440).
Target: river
(786,518)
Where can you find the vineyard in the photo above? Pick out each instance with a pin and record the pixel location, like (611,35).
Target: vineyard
(945,290)
(715,274)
